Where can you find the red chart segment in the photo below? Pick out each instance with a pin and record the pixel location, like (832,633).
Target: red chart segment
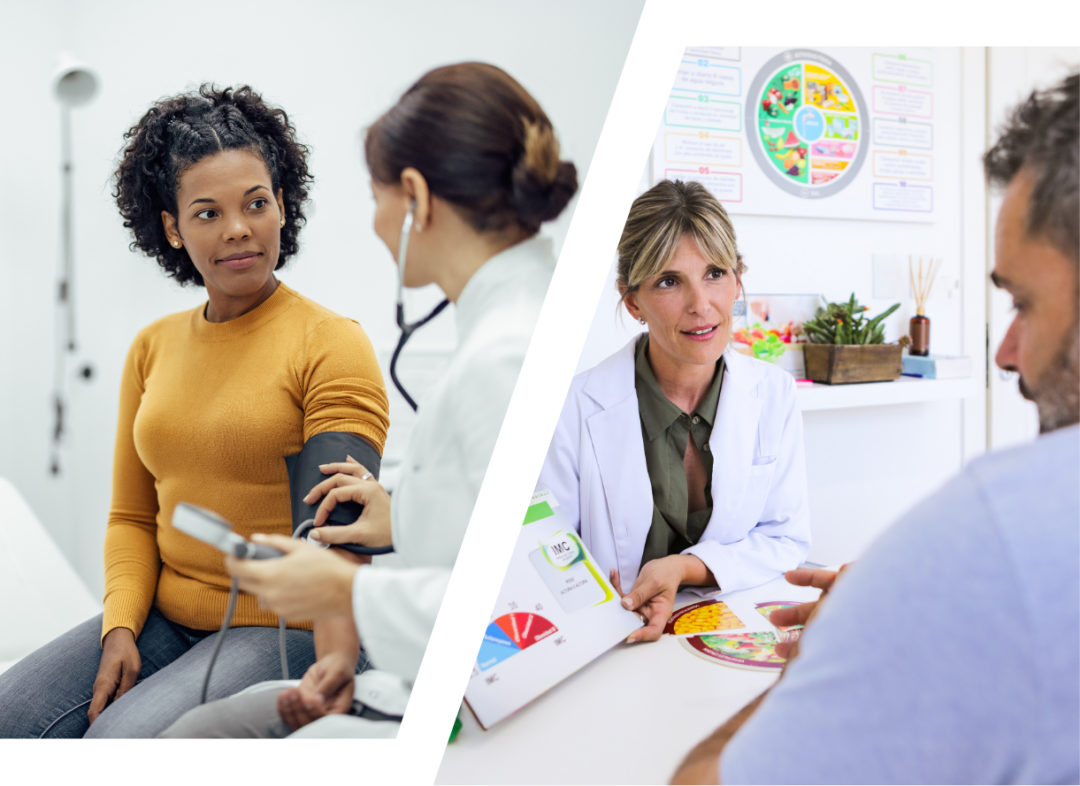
(524,628)
(510,634)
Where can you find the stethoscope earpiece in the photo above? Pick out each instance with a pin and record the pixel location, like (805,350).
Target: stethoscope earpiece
(407,329)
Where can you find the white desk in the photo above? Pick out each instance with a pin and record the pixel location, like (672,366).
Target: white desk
(628,717)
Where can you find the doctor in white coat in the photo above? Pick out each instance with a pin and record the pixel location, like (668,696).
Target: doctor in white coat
(680,460)
(467,164)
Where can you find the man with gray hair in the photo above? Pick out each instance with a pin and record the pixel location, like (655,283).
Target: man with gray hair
(951,652)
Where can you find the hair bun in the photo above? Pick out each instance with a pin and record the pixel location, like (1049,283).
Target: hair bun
(542,184)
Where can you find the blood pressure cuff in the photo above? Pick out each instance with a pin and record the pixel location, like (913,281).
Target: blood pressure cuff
(304,473)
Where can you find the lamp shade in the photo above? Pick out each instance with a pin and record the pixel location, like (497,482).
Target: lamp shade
(74,82)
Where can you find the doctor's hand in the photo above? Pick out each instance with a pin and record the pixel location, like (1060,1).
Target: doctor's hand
(326,689)
(308,583)
(804,612)
(652,596)
(653,593)
(347,485)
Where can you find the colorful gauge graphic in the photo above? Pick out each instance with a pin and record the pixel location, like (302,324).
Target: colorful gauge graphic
(805,117)
(510,634)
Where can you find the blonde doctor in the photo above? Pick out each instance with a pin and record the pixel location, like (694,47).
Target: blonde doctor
(679,460)
(464,169)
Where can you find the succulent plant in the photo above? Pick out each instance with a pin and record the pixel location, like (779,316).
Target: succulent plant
(843,323)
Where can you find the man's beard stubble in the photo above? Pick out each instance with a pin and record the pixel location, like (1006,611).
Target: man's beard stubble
(1058,393)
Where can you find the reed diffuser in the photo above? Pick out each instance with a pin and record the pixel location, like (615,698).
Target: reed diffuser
(920,323)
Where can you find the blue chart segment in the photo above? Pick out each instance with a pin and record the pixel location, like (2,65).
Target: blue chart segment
(495,648)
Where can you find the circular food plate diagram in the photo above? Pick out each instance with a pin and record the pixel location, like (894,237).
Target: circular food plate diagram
(804,114)
(753,651)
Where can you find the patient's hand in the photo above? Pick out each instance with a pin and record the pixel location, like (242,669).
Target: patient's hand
(346,485)
(119,669)
(326,689)
(804,612)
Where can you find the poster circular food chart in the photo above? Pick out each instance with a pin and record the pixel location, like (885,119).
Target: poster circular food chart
(805,118)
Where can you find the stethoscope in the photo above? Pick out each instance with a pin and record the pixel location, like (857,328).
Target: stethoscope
(407,329)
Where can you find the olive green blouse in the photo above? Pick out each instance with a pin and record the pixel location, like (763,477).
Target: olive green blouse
(665,429)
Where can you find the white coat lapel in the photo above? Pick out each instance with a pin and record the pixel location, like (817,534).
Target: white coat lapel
(615,433)
(733,440)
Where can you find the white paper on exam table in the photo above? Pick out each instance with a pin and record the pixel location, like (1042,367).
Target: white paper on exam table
(555,613)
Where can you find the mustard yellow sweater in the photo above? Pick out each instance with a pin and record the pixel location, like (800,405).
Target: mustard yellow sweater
(208,413)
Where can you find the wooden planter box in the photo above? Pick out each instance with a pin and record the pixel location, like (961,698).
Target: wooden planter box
(840,364)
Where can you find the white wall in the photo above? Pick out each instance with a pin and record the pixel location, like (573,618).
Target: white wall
(334,66)
(867,466)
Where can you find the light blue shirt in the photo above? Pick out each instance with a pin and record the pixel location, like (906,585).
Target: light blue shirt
(951,652)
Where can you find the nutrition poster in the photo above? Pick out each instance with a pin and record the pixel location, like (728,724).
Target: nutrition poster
(838,133)
(555,613)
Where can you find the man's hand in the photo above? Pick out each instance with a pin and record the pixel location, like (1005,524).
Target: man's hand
(346,485)
(326,689)
(804,612)
(308,583)
(653,593)
(118,671)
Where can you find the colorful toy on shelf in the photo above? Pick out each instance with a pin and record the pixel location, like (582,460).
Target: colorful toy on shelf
(767,343)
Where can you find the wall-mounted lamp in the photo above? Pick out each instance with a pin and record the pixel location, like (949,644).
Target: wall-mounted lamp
(74,84)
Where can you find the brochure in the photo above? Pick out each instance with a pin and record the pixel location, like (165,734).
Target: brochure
(556,612)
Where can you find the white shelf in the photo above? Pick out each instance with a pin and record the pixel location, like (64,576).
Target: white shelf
(905,390)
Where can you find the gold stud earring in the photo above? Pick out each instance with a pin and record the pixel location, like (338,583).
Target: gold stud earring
(176,244)
(283,222)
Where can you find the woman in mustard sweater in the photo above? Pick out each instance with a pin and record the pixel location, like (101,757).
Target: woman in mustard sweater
(212,184)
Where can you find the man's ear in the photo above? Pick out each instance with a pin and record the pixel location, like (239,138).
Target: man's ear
(168,220)
(416,190)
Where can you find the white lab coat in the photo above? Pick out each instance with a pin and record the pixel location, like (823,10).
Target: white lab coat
(760,523)
(447,456)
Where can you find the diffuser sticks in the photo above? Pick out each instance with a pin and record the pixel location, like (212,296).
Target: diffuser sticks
(921,287)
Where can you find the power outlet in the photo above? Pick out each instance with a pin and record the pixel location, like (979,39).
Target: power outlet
(890,278)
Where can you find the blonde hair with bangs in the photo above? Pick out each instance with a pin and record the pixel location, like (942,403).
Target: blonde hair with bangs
(660,218)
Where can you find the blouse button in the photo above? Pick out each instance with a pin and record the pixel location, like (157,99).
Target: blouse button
(696,420)
(706,448)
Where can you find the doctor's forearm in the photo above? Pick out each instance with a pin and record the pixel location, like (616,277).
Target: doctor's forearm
(337,634)
(695,572)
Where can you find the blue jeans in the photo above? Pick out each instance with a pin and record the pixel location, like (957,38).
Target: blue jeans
(47,694)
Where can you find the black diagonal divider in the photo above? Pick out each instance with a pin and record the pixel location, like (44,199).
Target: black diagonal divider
(571,300)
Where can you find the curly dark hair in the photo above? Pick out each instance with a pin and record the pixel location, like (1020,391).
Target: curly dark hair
(176,133)
(1042,135)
